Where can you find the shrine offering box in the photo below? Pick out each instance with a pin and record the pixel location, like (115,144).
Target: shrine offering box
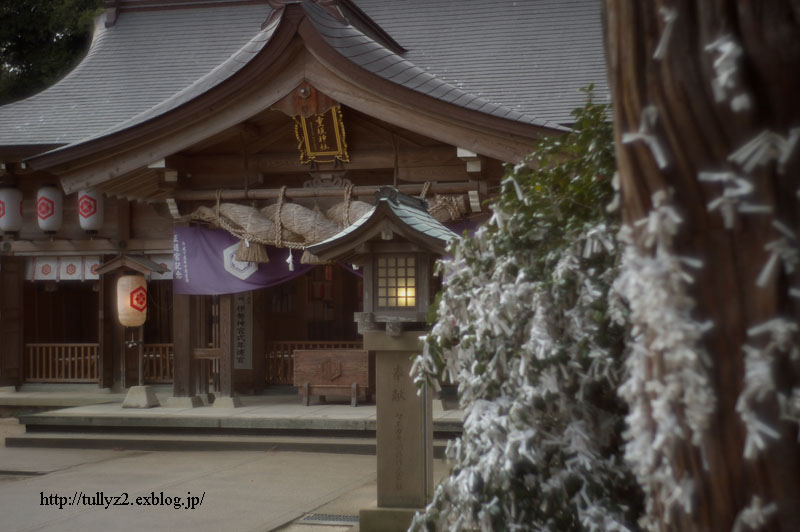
(322,372)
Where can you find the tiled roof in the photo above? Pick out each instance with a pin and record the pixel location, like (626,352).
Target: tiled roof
(521,60)
(219,74)
(421,221)
(144,59)
(349,229)
(530,56)
(413,217)
(374,57)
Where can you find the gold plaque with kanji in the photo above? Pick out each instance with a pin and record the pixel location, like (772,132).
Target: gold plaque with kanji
(321,137)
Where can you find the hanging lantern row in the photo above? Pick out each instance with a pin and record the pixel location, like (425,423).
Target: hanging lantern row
(50,209)
(132,300)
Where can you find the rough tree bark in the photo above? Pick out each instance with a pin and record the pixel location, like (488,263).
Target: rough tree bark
(705,113)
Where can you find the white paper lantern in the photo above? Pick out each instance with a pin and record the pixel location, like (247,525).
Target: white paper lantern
(90,210)
(10,210)
(49,208)
(132,300)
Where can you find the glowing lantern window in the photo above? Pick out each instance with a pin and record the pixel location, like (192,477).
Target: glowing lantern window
(397,282)
(132,300)
(10,210)
(90,210)
(395,243)
(49,208)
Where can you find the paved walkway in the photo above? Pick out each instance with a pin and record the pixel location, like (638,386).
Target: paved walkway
(49,490)
(244,491)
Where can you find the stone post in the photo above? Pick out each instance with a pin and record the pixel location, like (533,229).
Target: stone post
(404,434)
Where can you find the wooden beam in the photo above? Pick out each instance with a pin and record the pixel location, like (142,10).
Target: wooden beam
(248,130)
(267,139)
(99,245)
(207,353)
(413,175)
(273,193)
(380,128)
(282,162)
(433,173)
(126,184)
(123,220)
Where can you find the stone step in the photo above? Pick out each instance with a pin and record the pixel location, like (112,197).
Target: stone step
(220,424)
(203,442)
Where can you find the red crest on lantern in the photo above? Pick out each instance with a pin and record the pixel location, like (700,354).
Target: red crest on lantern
(45,208)
(139,299)
(87,206)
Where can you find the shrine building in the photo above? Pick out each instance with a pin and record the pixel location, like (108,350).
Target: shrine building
(205,144)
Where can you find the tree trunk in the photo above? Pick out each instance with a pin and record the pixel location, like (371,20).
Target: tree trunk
(705,113)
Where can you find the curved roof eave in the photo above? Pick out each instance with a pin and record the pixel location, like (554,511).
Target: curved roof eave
(198,88)
(305,19)
(146,57)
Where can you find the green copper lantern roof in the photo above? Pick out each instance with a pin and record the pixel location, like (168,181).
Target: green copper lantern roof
(394,213)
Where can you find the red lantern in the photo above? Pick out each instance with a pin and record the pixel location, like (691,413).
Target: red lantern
(90,210)
(10,210)
(49,208)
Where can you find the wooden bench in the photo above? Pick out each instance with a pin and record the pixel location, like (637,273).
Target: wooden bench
(334,372)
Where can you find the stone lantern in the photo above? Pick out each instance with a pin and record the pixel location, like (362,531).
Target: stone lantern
(396,244)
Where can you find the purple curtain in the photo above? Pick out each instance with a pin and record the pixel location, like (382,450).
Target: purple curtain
(204,264)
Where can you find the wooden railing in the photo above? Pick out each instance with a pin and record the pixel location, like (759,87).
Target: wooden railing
(158,364)
(61,362)
(279,356)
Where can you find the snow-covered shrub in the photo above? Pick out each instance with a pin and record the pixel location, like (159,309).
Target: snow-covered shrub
(527,329)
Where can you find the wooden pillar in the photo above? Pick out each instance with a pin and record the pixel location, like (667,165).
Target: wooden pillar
(259,340)
(182,335)
(140,353)
(106,316)
(226,345)
(225,397)
(12,367)
(200,319)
